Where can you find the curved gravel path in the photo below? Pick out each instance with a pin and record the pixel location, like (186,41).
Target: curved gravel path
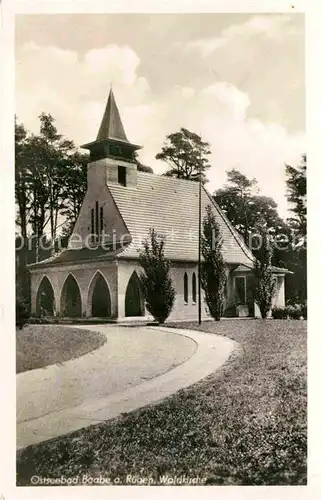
(137,366)
(130,356)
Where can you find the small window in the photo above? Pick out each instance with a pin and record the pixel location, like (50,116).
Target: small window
(122,175)
(185,288)
(97,218)
(194,293)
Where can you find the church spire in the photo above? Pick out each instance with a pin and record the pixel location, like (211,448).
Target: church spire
(111,126)
(111,139)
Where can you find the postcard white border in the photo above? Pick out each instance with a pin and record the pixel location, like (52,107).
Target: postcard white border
(9,8)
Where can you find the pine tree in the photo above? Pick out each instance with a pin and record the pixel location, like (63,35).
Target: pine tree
(186,154)
(213,271)
(156,281)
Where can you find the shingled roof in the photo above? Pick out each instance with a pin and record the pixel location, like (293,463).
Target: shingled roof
(170,206)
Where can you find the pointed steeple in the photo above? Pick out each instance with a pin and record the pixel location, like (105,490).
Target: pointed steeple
(111,139)
(111,126)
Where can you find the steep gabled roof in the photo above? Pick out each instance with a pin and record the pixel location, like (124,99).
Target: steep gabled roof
(170,206)
(111,126)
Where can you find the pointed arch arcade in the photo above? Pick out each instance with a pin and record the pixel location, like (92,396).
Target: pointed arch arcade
(134,304)
(70,302)
(99,299)
(45,302)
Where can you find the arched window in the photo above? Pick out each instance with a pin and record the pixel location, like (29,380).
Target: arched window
(185,287)
(194,294)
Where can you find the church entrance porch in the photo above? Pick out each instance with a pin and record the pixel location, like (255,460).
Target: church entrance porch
(45,299)
(133,298)
(99,302)
(70,304)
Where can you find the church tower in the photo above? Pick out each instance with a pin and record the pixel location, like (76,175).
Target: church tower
(112,163)
(112,150)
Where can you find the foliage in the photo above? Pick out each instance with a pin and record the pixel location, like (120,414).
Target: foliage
(297,196)
(262,442)
(264,283)
(144,168)
(156,281)
(294,311)
(50,178)
(22,311)
(279,312)
(213,272)
(186,154)
(245,208)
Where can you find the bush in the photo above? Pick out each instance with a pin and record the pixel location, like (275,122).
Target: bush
(22,313)
(305,311)
(295,311)
(279,313)
(156,280)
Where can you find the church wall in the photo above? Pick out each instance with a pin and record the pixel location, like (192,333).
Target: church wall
(83,274)
(113,224)
(181,310)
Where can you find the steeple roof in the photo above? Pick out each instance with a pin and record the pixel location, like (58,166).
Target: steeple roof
(111,126)
(111,131)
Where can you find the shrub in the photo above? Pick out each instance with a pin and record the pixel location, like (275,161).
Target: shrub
(279,313)
(22,313)
(295,311)
(213,272)
(264,282)
(305,311)
(156,281)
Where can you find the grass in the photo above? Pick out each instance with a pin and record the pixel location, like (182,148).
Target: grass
(42,345)
(245,424)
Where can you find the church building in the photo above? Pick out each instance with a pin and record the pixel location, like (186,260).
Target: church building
(97,276)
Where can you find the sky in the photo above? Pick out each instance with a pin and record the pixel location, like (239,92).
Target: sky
(238,80)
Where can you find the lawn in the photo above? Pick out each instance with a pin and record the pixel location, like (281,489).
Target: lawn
(42,345)
(245,424)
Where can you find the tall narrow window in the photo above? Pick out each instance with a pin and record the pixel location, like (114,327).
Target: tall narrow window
(97,219)
(194,287)
(101,219)
(92,221)
(185,288)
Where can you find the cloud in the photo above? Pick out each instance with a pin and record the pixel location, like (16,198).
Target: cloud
(219,114)
(270,27)
(74,90)
(68,86)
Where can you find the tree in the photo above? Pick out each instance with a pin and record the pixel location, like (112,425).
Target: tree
(213,271)
(244,207)
(296,285)
(144,168)
(297,196)
(73,193)
(156,281)
(186,154)
(264,283)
